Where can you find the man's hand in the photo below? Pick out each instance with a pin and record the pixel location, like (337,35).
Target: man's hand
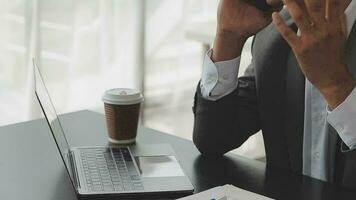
(237,20)
(320,46)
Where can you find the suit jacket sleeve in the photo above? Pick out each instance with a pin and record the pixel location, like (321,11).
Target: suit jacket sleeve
(225,124)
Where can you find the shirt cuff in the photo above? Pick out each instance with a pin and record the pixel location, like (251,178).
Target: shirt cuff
(343,118)
(218,79)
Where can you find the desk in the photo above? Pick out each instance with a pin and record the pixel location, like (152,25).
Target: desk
(31,168)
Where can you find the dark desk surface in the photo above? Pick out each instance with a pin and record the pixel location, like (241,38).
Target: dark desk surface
(31,168)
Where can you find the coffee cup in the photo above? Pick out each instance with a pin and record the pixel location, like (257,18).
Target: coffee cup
(122,111)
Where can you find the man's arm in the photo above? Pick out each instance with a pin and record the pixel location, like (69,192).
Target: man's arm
(225,117)
(320,50)
(225,124)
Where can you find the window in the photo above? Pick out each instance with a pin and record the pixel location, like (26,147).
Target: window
(84,47)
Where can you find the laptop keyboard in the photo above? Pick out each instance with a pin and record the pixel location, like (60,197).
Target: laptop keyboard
(110,170)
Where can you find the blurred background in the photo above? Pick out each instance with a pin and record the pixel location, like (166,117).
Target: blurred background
(84,47)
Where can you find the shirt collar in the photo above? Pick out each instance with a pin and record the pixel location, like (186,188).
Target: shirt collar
(350,13)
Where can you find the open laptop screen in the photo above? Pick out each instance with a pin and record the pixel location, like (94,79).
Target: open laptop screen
(51,117)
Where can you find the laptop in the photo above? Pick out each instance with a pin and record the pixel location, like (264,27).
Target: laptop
(115,172)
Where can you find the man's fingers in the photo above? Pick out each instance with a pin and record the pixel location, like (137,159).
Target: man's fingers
(343,24)
(317,10)
(299,17)
(288,34)
(333,10)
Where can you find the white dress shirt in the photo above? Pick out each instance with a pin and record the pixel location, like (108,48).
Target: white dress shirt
(220,79)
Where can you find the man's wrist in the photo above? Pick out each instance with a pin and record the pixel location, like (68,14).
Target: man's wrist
(227,45)
(338,93)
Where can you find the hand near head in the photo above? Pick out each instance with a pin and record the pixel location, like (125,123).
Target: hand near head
(242,18)
(238,20)
(320,46)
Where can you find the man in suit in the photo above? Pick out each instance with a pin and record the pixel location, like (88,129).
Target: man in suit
(299,88)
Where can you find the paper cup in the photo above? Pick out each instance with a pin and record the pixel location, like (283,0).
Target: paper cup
(122,111)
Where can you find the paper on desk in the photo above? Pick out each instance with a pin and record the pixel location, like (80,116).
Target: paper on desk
(235,193)
(216,193)
(226,192)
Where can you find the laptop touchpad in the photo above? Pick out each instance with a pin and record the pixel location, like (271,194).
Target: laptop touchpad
(158,166)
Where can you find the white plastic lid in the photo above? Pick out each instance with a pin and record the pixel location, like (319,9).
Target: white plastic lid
(122,96)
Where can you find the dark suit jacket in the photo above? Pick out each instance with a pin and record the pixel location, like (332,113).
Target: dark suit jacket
(269,97)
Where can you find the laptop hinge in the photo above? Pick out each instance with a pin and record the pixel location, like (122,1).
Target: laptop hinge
(74,170)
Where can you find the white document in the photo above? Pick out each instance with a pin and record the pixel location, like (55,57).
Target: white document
(226,192)
(216,193)
(235,193)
